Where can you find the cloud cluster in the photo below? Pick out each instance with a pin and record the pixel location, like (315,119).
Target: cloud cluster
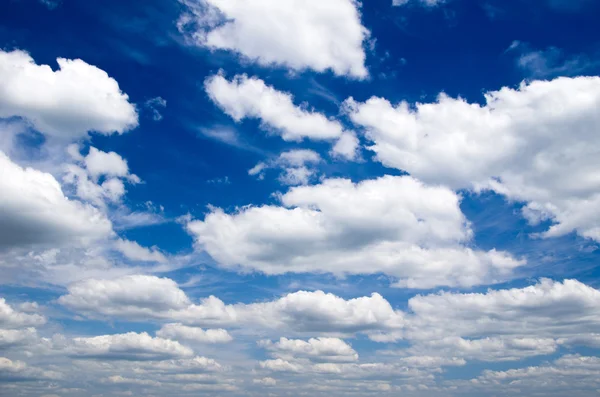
(535,144)
(298,166)
(298,34)
(66,103)
(392,225)
(34,210)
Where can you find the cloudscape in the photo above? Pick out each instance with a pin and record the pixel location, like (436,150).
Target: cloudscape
(321,198)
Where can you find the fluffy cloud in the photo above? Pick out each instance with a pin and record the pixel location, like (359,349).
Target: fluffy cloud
(393,225)
(85,175)
(130,346)
(136,252)
(66,103)
(152,297)
(535,144)
(10,318)
(297,166)
(315,349)
(571,374)
(192,334)
(298,34)
(34,210)
(18,371)
(245,97)
(99,163)
(135,295)
(17,337)
(504,325)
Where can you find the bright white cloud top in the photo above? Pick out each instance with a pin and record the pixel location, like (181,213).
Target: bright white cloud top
(537,144)
(392,225)
(66,103)
(298,34)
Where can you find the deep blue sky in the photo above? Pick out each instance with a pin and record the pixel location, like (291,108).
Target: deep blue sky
(414,53)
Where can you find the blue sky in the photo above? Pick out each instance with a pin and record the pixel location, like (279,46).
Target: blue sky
(217,197)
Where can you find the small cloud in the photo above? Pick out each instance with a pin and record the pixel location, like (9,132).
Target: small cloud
(51,4)
(550,62)
(219,181)
(154,105)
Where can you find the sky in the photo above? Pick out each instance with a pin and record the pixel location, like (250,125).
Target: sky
(299,198)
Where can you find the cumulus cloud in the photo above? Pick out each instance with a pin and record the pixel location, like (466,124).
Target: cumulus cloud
(535,144)
(504,325)
(161,299)
(34,210)
(17,337)
(245,97)
(137,295)
(555,378)
(298,34)
(136,252)
(182,332)
(392,225)
(66,103)
(315,349)
(18,371)
(131,346)
(10,318)
(86,174)
(298,166)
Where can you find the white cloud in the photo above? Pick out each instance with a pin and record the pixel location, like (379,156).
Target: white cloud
(134,295)
(265,381)
(12,371)
(154,105)
(192,334)
(504,325)
(245,97)
(347,147)
(17,337)
(297,34)
(66,103)
(130,346)
(136,252)
(568,375)
(97,164)
(393,225)
(535,144)
(10,318)
(316,349)
(119,380)
(152,297)
(34,210)
(297,166)
(426,3)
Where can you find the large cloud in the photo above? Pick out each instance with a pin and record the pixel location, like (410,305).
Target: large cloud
(494,326)
(66,103)
(504,325)
(536,144)
(298,34)
(161,299)
(393,225)
(34,210)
